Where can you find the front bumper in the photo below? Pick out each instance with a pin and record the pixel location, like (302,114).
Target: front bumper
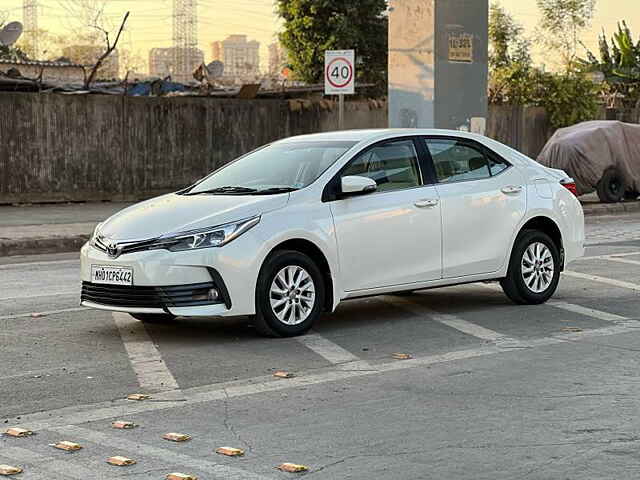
(177,300)
(177,282)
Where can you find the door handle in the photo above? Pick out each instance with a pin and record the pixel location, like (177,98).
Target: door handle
(511,189)
(427,203)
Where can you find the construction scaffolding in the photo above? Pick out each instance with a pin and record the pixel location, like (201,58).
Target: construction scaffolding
(30,20)
(185,39)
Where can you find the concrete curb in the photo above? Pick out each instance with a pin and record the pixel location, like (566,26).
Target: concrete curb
(610,208)
(36,246)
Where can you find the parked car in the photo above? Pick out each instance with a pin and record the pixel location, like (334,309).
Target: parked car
(291,229)
(601,155)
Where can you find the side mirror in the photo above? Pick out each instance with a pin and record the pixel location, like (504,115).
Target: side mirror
(357,185)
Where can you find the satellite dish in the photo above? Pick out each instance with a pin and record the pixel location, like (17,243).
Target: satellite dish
(10,34)
(216,68)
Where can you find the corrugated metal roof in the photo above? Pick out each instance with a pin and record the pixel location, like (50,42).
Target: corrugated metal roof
(39,63)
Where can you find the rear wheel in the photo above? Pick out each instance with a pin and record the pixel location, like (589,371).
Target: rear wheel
(611,186)
(153,317)
(631,195)
(289,295)
(534,269)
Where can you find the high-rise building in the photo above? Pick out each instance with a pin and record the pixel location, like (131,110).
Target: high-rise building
(162,61)
(277,59)
(241,57)
(88,55)
(217,52)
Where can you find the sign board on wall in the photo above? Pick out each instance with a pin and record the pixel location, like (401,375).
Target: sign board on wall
(460,47)
(339,72)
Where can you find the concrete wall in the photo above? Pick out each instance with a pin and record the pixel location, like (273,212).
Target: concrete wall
(93,147)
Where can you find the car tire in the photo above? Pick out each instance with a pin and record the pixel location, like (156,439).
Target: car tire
(631,195)
(534,269)
(290,295)
(153,317)
(611,187)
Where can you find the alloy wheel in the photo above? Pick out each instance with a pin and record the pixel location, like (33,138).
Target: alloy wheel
(537,267)
(292,295)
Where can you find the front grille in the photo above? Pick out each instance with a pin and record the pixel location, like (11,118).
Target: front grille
(123,248)
(148,297)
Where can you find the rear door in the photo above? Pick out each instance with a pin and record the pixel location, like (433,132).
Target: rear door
(483,200)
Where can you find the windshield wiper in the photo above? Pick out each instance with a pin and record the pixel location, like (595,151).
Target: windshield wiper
(274,190)
(228,189)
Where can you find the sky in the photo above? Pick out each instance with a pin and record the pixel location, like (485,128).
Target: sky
(150,23)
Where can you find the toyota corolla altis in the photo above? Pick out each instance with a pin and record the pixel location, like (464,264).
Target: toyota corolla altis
(291,229)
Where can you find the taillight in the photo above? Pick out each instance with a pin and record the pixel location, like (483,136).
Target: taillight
(570,184)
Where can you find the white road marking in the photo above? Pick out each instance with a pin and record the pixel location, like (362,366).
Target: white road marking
(622,260)
(45,313)
(44,464)
(166,455)
(9,266)
(608,281)
(601,257)
(75,292)
(331,352)
(459,324)
(219,391)
(153,375)
(589,312)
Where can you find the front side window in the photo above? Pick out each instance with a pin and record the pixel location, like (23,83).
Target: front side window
(393,166)
(456,161)
(275,168)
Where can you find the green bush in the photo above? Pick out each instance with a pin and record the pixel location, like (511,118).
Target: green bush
(568,98)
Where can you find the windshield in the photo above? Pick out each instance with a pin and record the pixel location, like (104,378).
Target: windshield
(275,168)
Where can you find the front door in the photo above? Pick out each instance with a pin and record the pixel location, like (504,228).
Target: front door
(392,236)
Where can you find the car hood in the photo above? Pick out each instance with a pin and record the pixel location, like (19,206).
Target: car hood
(175,213)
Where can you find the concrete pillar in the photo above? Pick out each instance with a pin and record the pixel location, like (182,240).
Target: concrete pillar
(438,52)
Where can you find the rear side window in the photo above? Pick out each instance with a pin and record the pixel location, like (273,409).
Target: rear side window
(458,161)
(393,166)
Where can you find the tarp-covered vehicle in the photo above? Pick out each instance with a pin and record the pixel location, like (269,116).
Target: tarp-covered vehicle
(601,155)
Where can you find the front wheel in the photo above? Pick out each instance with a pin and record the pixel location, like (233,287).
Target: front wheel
(534,269)
(289,295)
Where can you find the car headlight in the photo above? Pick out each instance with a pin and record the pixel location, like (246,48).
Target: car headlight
(206,238)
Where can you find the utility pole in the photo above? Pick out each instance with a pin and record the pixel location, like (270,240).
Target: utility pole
(30,20)
(185,38)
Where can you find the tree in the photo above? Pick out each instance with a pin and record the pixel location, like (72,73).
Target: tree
(507,43)
(313,26)
(619,62)
(509,59)
(560,26)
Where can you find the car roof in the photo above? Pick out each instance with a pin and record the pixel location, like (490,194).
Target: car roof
(373,134)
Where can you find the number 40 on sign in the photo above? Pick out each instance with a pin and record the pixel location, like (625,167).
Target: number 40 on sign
(339,72)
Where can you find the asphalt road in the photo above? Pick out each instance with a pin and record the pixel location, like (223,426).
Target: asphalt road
(493,390)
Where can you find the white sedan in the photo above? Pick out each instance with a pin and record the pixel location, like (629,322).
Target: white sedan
(291,229)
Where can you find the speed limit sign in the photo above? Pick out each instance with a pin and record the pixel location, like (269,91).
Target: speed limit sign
(339,72)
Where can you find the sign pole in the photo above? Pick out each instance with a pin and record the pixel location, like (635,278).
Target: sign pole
(339,77)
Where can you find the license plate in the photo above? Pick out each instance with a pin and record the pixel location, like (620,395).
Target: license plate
(111,275)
